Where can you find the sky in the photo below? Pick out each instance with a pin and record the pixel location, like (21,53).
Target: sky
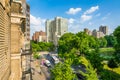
(81,14)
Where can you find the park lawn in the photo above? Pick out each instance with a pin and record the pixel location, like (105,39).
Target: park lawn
(116,70)
(108,50)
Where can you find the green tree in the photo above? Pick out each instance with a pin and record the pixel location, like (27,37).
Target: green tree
(82,42)
(95,60)
(72,57)
(102,42)
(42,46)
(90,73)
(111,40)
(67,42)
(62,71)
(117,46)
(36,55)
(112,63)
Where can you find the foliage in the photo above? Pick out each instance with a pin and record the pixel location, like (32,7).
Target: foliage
(109,75)
(93,42)
(72,57)
(73,46)
(117,46)
(108,50)
(103,42)
(116,70)
(67,42)
(36,55)
(112,63)
(90,73)
(83,42)
(35,47)
(62,71)
(80,41)
(111,40)
(117,34)
(42,46)
(95,60)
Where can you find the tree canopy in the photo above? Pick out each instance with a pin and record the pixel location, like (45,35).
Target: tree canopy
(42,46)
(117,46)
(62,72)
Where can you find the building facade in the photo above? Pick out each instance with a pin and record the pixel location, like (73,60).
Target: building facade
(27,29)
(5,67)
(98,34)
(39,36)
(17,39)
(20,40)
(87,31)
(55,29)
(13,59)
(104,29)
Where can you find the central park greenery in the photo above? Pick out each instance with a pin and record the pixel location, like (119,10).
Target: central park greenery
(97,56)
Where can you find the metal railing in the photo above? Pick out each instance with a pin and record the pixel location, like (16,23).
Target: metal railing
(27,67)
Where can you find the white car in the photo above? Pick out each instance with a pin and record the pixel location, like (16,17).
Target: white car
(47,63)
(55,60)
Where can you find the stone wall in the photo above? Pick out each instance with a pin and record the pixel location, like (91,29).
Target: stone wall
(4,39)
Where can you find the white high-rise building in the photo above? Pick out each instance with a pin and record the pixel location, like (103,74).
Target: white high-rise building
(55,29)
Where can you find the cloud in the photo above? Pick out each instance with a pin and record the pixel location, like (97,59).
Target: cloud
(73,11)
(91,10)
(71,21)
(90,23)
(36,24)
(85,17)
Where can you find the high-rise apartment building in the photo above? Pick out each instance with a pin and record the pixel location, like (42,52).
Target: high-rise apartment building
(55,29)
(104,29)
(27,29)
(98,34)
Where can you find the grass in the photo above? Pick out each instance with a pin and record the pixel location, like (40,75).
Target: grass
(117,70)
(108,50)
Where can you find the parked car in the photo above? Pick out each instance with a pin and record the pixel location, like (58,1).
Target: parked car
(47,63)
(55,59)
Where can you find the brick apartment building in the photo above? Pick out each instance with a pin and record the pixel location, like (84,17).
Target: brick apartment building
(39,36)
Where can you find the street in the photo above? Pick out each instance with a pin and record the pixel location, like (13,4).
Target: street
(39,70)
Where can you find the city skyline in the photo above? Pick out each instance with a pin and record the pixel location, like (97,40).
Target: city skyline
(80,13)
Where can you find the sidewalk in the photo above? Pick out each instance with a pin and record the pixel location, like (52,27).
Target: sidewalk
(37,70)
